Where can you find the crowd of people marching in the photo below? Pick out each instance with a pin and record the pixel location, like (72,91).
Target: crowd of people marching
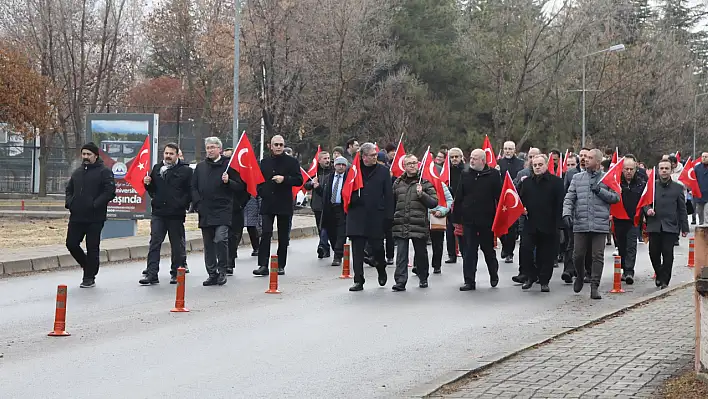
(563,207)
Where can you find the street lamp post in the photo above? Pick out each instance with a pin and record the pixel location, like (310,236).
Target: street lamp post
(237,54)
(611,49)
(695,120)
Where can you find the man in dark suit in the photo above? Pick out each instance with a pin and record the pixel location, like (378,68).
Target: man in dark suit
(370,213)
(281,173)
(334,221)
(542,195)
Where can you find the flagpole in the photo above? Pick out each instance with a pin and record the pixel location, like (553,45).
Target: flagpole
(427,151)
(396,153)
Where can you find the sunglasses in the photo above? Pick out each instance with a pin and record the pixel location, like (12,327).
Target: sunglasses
(278,144)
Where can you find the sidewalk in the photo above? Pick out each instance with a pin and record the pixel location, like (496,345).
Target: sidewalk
(630,355)
(13,261)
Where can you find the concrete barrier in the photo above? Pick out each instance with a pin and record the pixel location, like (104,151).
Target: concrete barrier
(57,257)
(701,299)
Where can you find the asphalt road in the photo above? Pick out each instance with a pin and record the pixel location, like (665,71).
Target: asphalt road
(315,340)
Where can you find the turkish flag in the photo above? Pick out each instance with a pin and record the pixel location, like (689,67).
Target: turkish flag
(612,180)
(647,195)
(489,152)
(688,178)
(509,208)
(305,178)
(247,165)
(445,172)
(312,172)
(397,168)
(565,162)
(429,174)
(352,182)
(139,168)
(551,164)
(615,156)
(678,158)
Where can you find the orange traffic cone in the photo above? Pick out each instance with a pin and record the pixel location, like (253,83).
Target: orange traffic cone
(617,283)
(273,284)
(179,299)
(346,265)
(60,314)
(691,250)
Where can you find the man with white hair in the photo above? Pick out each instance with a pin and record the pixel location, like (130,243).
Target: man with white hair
(586,208)
(214,184)
(475,206)
(510,163)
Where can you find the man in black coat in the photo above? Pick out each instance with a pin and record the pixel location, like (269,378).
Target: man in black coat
(90,189)
(324,169)
(370,213)
(542,195)
(665,219)
(474,208)
(457,166)
(334,221)
(214,184)
(509,163)
(281,173)
(170,187)
(626,232)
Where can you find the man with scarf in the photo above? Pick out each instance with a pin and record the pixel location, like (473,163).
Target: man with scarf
(169,185)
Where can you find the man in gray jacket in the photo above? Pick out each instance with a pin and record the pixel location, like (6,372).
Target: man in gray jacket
(665,219)
(587,209)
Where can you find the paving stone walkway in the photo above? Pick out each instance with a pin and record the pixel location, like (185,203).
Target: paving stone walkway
(628,356)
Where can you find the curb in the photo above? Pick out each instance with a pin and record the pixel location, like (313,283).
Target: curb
(429,389)
(113,254)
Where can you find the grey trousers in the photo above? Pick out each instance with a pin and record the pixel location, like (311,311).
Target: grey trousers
(701,211)
(216,249)
(420,259)
(595,243)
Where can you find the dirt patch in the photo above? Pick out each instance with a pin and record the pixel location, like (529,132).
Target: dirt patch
(24,232)
(686,386)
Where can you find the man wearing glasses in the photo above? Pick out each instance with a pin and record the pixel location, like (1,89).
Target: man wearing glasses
(281,173)
(370,213)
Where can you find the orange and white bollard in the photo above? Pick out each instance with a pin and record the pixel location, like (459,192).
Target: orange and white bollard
(617,282)
(346,263)
(179,299)
(60,314)
(273,283)
(691,252)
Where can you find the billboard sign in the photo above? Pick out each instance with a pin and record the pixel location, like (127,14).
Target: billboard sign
(119,138)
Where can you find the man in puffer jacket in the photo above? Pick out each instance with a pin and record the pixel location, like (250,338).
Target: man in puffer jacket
(587,209)
(410,222)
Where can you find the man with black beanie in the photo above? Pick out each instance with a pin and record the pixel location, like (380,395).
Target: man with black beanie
(281,173)
(90,189)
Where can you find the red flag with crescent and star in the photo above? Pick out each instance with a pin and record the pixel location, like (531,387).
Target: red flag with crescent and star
(247,165)
(429,174)
(489,152)
(612,179)
(445,172)
(397,168)
(305,178)
(312,172)
(509,208)
(352,182)
(688,178)
(648,194)
(139,168)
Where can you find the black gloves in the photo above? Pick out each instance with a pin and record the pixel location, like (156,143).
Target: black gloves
(568,222)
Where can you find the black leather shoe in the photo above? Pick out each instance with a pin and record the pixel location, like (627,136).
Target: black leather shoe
(320,252)
(494,280)
(149,279)
(436,270)
(528,284)
(398,288)
(281,271)
(629,279)
(566,277)
(336,262)
(261,271)
(389,261)
(212,280)
(383,277)
(468,287)
(451,260)
(356,287)
(229,271)
(578,284)
(173,279)
(520,279)
(221,279)
(545,288)
(423,284)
